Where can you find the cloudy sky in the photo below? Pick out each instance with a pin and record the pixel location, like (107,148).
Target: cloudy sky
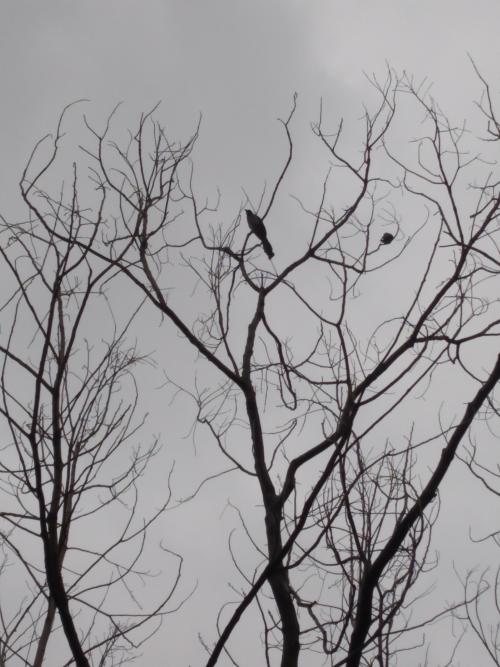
(237,64)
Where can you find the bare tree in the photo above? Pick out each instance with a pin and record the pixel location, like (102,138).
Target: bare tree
(69,404)
(321,354)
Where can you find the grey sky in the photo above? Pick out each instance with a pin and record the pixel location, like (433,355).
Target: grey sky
(238,63)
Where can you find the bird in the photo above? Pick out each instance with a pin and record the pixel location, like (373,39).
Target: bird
(257,227)
(387,238)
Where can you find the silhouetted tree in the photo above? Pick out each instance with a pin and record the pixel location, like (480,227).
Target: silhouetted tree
(320,368)
(69,453)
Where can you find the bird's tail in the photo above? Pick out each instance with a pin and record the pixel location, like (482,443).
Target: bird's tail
(268,249)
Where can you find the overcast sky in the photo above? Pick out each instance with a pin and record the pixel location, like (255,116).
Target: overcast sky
(238,64)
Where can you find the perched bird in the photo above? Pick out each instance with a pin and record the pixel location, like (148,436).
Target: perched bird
(387,238)
(257,227)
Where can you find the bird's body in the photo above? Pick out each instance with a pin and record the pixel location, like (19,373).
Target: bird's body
(387,238)
(257,227)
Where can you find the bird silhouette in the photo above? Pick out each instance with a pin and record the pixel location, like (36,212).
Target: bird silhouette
(257,227)
(387,238)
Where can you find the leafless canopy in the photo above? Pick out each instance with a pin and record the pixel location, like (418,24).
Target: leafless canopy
(380,293)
